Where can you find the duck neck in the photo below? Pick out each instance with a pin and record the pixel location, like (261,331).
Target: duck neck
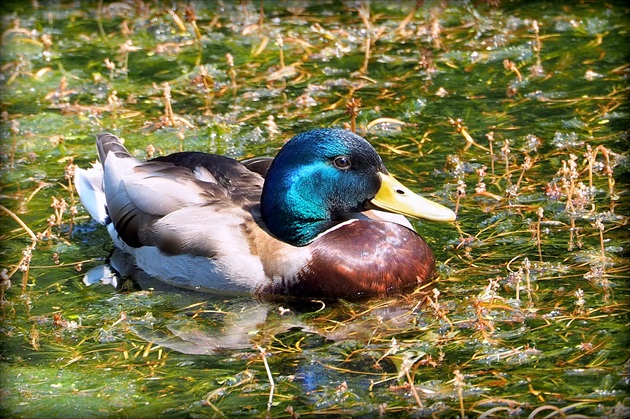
(294,212)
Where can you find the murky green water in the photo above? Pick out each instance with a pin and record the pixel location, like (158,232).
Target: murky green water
(534,83)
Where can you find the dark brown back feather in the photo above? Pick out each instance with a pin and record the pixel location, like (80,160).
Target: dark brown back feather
(259,165)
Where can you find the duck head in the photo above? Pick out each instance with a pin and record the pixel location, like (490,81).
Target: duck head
(321,175)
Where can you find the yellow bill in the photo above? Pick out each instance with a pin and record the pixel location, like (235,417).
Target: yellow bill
(393,196)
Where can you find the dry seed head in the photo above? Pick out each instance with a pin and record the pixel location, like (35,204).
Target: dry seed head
(125,29)
(47,43)
(272,127)
(458,381)
(27,255)
(353,106)
(480,188)
(167,90)
(589,155)
(553,191)
(595,275)
(458,124)
(189,14)
(15,126)
(112,99)
(579,295)
(127,46)
(461,188)
(506,148)
(582,195)
(5,281)
(70,169)
(511,191)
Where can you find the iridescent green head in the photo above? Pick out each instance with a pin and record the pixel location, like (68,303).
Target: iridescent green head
(320,175)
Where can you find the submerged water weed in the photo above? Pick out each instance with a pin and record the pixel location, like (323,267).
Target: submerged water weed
(527,315)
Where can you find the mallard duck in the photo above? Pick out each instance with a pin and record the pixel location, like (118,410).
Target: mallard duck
(324,218)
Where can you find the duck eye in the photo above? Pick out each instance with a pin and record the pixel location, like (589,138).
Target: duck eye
(342,162)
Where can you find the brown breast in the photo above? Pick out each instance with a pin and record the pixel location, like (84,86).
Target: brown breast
(362,258)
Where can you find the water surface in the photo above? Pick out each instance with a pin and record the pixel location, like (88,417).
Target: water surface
(531,314)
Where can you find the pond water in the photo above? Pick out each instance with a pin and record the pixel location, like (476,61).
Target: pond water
(515,115)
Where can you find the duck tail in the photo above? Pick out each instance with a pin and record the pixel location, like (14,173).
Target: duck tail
(106,143)
(89,185)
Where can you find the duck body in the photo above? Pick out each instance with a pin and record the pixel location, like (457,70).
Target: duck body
(303,224)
